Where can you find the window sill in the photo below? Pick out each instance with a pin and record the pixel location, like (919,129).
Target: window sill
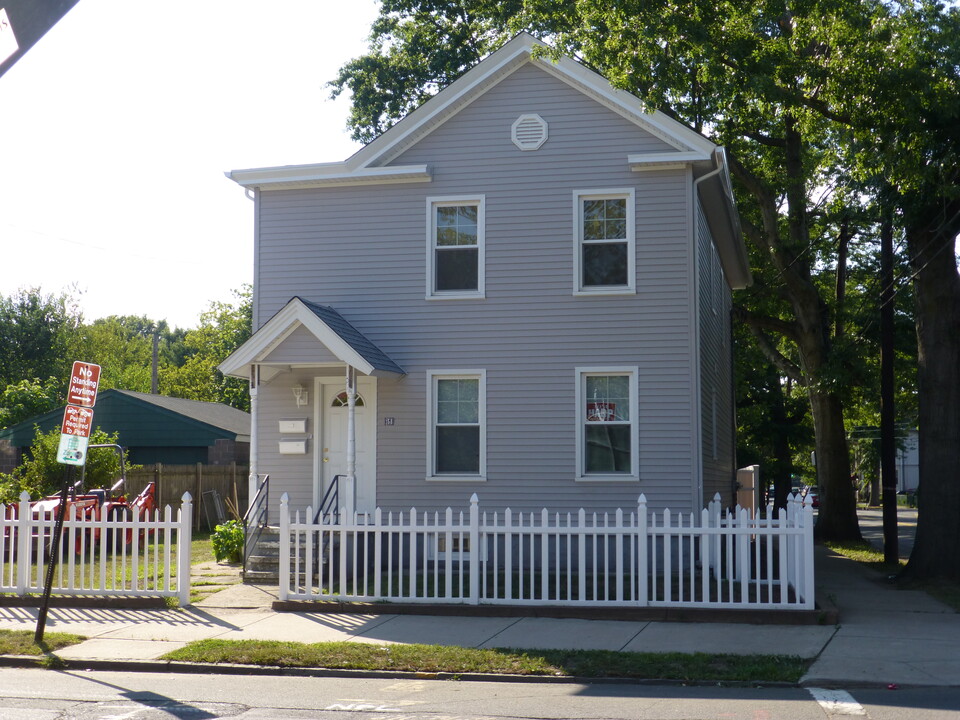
(607,478)
(586,292)
(456,478)
(456,296)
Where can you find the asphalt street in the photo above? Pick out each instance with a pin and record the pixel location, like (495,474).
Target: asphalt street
(871,527)
(46,695)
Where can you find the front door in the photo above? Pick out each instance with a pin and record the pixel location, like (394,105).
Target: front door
(331,447)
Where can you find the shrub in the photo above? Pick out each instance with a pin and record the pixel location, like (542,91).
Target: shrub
(227,541)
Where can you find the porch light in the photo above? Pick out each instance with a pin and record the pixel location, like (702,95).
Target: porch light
(300,394)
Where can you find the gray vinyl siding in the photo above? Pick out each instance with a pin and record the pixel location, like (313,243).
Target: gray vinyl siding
(301,347)
(716,392)
(362,251)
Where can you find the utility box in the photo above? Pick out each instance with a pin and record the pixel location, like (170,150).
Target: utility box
(748,488)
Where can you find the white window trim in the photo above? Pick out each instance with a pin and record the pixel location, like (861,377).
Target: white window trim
(605,194)
(581,375)
(457,374)
(449,200)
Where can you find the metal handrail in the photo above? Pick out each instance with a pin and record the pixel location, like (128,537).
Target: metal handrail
(330,504)
(257,513)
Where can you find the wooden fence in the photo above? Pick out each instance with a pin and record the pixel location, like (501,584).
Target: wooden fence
(227,481)
(710,559)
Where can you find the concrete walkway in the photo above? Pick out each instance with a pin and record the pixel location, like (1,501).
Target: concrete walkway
(885,636)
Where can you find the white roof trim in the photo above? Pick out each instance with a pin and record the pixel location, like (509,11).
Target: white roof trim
(368,165)
(279,327)
(327,174)
(657,161)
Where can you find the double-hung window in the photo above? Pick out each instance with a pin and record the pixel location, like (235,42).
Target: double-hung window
(605,250)
(456,445)
(607,438)
(455,247)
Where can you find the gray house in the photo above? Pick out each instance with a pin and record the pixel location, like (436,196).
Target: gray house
(521,290)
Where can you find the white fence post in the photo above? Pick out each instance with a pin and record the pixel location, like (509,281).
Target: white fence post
(643,544)
(474,550)
(284,548)
(184,538)
(806,540)
(24,560)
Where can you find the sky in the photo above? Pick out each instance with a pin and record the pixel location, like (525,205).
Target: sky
(116,129)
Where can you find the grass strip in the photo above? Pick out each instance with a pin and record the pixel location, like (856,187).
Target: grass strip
(458,660)
(20,642)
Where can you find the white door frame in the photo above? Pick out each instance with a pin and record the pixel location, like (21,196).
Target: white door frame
(366,427)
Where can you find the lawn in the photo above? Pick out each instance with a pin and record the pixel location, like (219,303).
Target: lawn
(458,661)
(20,642)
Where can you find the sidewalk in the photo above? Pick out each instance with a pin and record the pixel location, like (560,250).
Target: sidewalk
(886,636)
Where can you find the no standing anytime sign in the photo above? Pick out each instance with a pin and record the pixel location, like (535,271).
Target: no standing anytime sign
(78,415)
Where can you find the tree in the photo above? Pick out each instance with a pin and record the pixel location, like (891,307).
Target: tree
(22,400)
(123,347)
(739,72)
(35,333)
(223,328)
(905,105)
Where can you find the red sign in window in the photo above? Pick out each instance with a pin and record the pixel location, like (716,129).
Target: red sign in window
(601,411)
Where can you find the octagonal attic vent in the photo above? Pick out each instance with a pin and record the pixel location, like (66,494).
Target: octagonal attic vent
(529,132)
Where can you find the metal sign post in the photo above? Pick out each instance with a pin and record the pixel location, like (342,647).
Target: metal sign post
(72,452)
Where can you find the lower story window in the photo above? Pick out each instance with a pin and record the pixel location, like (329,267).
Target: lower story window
(606,425)
(458,432)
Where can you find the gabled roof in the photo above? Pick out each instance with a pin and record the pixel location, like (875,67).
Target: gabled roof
(217,415)
(371,164)
(331,329)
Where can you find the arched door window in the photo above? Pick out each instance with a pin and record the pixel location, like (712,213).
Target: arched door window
(341,400)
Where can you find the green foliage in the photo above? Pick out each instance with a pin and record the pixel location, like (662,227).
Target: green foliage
(416,49)
(22,400)
(227,541)
(223,328)
(35,335)
(123,347)
(41,474)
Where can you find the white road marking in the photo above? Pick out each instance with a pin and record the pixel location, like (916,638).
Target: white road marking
(836,702)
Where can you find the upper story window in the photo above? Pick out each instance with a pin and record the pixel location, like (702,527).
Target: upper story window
(455,247)
(605,244)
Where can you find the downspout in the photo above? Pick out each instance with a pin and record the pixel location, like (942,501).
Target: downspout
(698,500)
(254,434)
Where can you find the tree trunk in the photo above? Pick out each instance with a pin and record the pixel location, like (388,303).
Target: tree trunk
(837,518)
(936,549)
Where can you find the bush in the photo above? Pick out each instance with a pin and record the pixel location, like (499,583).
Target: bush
(227,541)
(41,474)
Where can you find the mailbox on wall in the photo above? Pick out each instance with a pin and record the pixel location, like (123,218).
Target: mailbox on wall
(293,447)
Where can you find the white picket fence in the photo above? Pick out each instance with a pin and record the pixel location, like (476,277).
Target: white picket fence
(711,559)
(94,556)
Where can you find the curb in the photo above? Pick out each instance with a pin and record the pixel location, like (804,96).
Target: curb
(168,666)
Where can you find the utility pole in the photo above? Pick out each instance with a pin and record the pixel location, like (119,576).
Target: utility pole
(888,443)
(155,370)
